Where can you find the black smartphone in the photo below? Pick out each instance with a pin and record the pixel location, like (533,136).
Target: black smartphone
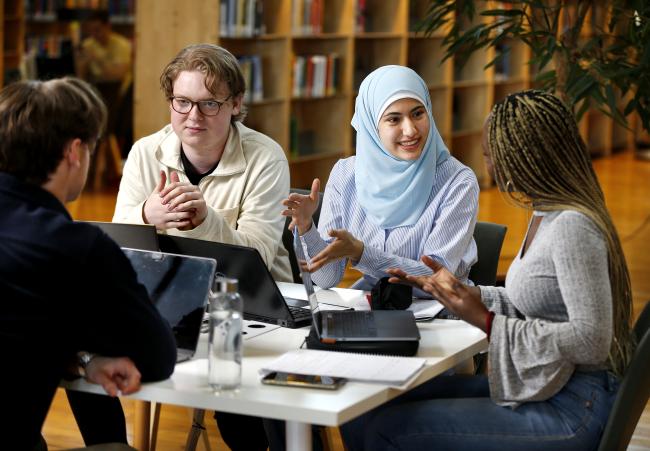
(301,380)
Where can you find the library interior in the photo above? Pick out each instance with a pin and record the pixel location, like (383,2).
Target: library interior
(303,62)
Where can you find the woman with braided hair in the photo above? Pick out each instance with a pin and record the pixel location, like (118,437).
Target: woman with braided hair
(558,331)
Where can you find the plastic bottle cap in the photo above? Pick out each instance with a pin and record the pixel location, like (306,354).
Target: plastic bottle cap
(225,285)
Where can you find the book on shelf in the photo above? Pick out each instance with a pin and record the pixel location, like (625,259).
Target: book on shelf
(251,67)
(361,16)
(307,17)
(315,75)
(502,62)
(241,18)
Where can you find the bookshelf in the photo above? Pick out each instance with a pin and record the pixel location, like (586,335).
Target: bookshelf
(54,28)
(12,37)
(315,131)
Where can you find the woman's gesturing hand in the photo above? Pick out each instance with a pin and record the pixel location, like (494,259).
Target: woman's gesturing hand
(301,208)
(462,300)
(345,245)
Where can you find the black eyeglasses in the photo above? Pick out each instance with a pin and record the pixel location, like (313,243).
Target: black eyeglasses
(206,107)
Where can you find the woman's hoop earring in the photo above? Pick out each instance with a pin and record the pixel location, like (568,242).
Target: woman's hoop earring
(510,187)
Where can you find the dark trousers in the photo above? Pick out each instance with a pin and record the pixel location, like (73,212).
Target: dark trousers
(242,432)
(100,418)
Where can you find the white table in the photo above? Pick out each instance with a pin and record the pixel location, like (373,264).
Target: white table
(444,344)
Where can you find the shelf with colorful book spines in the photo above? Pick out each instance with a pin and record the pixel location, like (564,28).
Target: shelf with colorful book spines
(342,40)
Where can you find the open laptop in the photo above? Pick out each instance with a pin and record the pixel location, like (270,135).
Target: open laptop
(355,326)
(263,300)
(179,286)
(134,236)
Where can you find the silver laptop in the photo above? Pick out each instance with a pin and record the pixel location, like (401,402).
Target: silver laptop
(179,286)
(344,325)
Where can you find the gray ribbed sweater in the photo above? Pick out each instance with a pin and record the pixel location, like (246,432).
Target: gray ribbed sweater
(554,315)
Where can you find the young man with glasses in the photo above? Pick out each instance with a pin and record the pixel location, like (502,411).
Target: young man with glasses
(207,176)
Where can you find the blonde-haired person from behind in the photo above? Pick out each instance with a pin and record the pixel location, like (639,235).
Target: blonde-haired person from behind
(559,336)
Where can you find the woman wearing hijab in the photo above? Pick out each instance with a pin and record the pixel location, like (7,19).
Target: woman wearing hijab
(402,196)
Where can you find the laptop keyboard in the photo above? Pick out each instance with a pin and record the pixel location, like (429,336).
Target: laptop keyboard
(352,325)
(299,312)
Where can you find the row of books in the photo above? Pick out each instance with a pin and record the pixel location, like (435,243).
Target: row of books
(251,67)
(119,11)
(47,46)
(307,17)
(315,75)
(241,18)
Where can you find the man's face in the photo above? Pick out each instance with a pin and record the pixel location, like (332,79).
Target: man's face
(98,30)
(198,132)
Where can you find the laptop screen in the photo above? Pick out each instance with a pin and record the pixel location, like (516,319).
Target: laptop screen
(305,275)
(179,286)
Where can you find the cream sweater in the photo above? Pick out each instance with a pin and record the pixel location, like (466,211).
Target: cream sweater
(244,193)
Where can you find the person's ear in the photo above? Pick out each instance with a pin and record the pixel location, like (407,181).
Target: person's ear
(236,104)
(72,153)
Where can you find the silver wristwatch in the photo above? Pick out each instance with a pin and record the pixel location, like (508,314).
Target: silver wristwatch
(83,359)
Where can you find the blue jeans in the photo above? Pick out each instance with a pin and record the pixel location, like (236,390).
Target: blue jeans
(455,412)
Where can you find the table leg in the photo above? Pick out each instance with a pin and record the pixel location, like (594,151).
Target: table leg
(298,436)
(141,425)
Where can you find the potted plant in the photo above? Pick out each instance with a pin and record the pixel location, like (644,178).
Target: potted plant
(593,54)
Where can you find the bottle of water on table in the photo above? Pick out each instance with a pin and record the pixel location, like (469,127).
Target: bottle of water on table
(225,339)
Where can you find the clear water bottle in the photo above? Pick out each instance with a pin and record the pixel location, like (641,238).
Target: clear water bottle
(225,345)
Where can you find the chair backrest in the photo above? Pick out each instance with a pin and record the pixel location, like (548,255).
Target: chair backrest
(287,236)
(633,392)
(489,239)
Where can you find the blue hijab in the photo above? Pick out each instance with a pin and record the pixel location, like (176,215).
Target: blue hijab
(393,192)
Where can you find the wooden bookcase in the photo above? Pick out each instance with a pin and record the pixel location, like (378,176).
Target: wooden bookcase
(364,34)
(12,38)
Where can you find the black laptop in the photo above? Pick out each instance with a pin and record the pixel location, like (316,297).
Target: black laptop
(333,326)
(263,300)
(134,236)
(179,286)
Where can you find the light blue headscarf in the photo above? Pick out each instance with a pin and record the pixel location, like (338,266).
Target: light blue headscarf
(391,191)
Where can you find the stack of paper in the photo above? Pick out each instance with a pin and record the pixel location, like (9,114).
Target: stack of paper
(389,370)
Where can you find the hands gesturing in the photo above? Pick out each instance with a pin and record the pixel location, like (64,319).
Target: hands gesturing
(345,245)
(301,208)
(178,205)
(462,300)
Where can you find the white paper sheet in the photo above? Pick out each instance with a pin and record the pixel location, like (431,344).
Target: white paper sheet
(389,370)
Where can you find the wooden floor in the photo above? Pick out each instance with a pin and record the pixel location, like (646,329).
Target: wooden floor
(626,183)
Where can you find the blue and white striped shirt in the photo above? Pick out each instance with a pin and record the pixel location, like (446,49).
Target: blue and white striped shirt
(443,232)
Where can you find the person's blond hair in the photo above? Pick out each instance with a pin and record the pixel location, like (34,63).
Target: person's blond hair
(541,162)
(218,65)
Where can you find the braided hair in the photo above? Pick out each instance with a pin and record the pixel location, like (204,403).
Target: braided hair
(541,162)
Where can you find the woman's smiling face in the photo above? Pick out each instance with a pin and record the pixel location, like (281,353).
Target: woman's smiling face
(403,129)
